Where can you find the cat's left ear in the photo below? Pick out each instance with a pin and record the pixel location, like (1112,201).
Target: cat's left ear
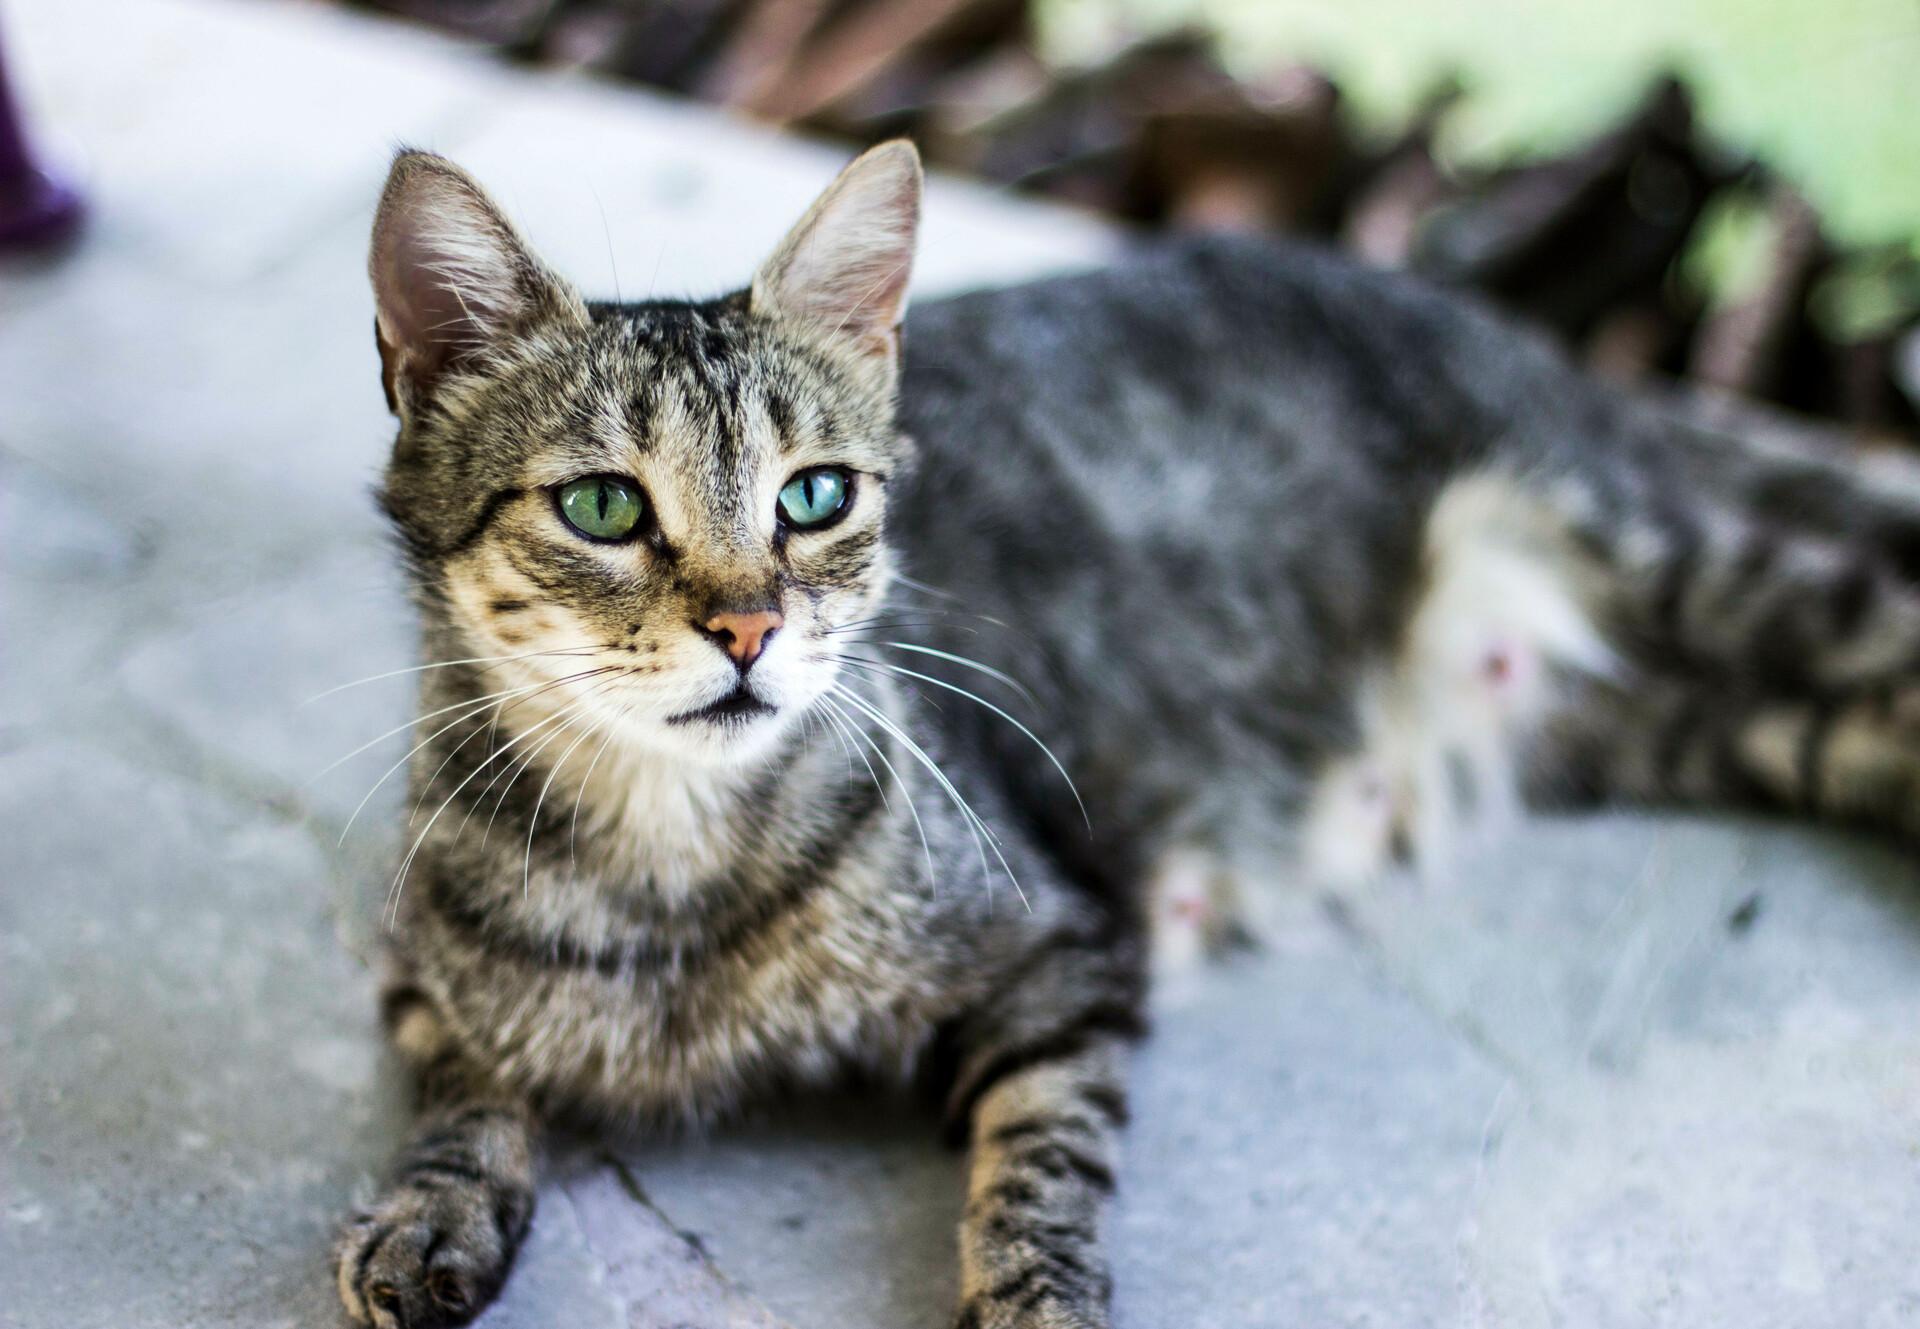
(842,271)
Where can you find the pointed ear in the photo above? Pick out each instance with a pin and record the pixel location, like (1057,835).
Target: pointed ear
(451,276)
(843,269)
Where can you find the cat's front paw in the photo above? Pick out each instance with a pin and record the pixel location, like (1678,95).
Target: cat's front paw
(1045,1315)
(432,1253)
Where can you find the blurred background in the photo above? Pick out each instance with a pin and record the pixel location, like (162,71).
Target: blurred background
(1723,189)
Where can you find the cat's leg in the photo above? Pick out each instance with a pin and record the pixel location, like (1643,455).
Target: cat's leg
(1684,627)
(1737,581)
(435,1248)
(1852,758)
(1198,908)
(1765,610)
(1041,1099)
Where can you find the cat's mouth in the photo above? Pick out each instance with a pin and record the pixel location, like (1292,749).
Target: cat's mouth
(737,707)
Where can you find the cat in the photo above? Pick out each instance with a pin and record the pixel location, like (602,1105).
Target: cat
(1244,565)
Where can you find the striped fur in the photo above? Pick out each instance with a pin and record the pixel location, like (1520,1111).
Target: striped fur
(1299,572)
(437,1247)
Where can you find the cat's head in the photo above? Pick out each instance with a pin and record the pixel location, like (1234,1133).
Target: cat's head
(687,497)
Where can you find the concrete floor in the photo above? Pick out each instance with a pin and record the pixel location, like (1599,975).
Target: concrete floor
(1625,1071)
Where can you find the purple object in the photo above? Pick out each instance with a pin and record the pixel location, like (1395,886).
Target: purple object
(36,208)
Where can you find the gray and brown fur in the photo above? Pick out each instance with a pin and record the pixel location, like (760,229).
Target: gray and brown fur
(1299,568)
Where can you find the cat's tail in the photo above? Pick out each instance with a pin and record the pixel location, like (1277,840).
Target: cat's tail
(1754,559)
(1761,593)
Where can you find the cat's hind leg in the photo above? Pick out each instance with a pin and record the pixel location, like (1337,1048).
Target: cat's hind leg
(1640,633)
(1851,759)
(1764,572)
(1765,603)
(1742,628)
(435,1248)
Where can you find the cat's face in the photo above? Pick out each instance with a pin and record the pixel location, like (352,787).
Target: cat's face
(664,517)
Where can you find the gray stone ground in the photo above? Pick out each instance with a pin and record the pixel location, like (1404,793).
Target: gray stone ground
(1623,1072)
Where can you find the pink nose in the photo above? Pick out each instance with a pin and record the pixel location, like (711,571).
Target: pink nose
(743,636)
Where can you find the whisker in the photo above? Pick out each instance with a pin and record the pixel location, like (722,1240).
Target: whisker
(986,669)
(406,864)
(449,664)
(460,719)
(533,822)
(402,728)
(875,669)
(512,769)
(807,719)
(847,749)
(359,807)
(905,789)
(492,730)
(909,583)
(515,769)
(861,635)
(837,722)
(493,725)
(1031,736)
(573,833)
(884,621)
(982,832)
(901,578)
(975,826)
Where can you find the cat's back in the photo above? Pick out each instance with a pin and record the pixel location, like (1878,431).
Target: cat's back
(1197,391)
(1217,335)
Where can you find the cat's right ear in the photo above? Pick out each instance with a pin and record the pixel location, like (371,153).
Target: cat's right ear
(451,277)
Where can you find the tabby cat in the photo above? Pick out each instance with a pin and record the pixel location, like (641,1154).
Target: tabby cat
(1241,564)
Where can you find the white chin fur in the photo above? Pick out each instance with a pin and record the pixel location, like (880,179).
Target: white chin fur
(733,743)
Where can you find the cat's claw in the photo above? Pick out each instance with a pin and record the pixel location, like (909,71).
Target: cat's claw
(429,1256)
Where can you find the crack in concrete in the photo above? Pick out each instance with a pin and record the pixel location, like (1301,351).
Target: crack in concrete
(665,1275)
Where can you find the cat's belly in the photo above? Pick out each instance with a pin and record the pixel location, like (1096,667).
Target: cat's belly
(1501,634)
(1503,627)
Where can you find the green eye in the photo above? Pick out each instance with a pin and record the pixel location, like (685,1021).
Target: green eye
(601,507)
(816,497)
